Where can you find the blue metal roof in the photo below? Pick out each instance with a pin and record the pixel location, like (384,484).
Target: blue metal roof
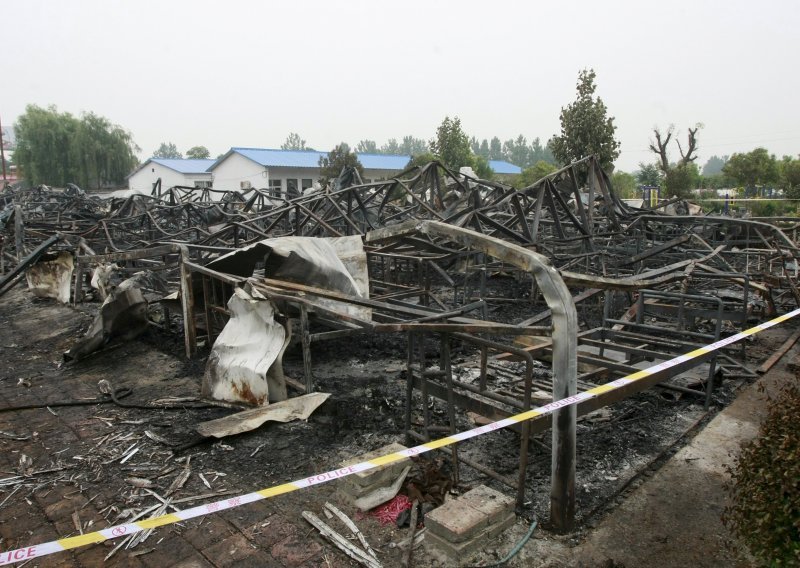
(383,161)
(501,167)
(310,158)
(183,166)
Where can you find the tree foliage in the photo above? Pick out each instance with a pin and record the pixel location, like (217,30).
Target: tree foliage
(624,185)
(495,149)
(481,167)
(452,147)
(421,159)
(413,146)
(714,165)
(367,147)
(531,175)
(586,127)
(514,150)
(337,159)
(168,150)
(198,153)
(294,142)
(752,169)
(451,144)
(681,177)
(57,148)
(649,174)
(765,485)
(391,147)
(790,176)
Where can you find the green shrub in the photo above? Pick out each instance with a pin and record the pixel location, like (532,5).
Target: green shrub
(765,486)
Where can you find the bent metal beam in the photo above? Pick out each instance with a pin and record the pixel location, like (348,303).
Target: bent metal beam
(565,328)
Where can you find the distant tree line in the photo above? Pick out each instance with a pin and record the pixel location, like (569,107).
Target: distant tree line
(168,150)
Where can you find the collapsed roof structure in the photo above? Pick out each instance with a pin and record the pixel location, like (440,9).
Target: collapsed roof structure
(543,291)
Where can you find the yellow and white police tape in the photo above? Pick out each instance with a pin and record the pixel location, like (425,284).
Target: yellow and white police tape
(38,550)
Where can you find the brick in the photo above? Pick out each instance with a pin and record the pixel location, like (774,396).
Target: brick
(252,513)
(491,503)
(459,552)
(230,551)
(295,550)
(498,527)
(278,527)
(94,554)
(195,561)
(455,521)
(206,531)
(167,552)
(57,560)
(259,559)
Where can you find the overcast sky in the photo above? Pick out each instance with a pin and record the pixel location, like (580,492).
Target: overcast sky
(235,73)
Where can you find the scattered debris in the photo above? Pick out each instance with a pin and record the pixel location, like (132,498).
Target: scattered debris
(298,408)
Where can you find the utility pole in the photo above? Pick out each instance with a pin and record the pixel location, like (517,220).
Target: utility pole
(2,153)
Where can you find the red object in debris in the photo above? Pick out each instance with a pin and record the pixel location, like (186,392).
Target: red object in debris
(389,511)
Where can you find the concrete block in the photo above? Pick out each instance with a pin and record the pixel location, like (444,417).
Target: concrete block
(455,521)
(491,503)
(458,552)
(499,526)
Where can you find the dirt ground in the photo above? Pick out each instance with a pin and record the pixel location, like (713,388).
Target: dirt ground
(644,497)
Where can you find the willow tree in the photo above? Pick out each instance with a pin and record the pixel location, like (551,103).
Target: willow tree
(57,148)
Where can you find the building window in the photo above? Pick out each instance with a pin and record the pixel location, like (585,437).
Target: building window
(275,188)
(291,188)
(202,184)
(307,183)
(245,185)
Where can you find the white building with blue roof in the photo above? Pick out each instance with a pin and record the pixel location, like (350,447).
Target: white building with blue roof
(288,172)
(190,173)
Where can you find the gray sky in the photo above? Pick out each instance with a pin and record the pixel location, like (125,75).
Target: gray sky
(236,73)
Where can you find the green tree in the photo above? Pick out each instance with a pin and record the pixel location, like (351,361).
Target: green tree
(681,177)
(624,184)
(648,174)
(483,149)
(198,153)
(391,147)
(367,147)
(586,127)
(790,177)
(58,148)
(531,175)
(421,159)
(167,150)
(475,145)
(539,153)
(517,151)
(495,149)
(413,146)
(752,169)
(714,165)
(294,142)
(481,167)
(451,144)
(103,152)
(337,159)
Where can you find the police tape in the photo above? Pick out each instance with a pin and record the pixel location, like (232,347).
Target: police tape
(69,543)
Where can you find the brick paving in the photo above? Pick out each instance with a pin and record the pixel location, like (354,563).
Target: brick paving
(33,334)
